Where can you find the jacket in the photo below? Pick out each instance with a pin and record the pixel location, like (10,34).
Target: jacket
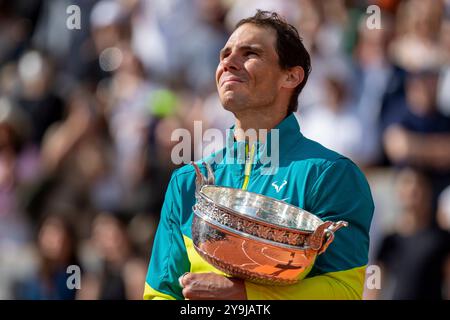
(307,175)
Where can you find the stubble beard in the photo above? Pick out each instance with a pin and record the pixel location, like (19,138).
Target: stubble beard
(240,103)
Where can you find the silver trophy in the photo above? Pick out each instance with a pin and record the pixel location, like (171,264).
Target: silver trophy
(255,237)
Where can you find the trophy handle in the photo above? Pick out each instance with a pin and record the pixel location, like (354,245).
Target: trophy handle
(200,179)
(324,235)
(329,233)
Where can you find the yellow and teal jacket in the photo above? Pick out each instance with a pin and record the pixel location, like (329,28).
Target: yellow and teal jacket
(308,176)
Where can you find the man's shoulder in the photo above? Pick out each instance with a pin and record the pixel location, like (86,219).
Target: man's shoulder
(314,153)
(325,165)
(184,172)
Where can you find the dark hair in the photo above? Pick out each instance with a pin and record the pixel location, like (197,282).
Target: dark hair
(289,47)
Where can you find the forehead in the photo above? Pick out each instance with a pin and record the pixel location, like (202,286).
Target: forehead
(251,34)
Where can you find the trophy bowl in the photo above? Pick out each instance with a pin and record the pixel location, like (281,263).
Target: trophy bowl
(255,237)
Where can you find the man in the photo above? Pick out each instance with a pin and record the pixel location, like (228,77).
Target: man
(414,259)
(263,67)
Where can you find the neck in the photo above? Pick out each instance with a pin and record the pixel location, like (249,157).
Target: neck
(256,119)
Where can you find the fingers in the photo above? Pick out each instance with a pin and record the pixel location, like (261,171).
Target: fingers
(189,285)
(180,279)
(185,282)
(198,286)
(189,294)
(207,286)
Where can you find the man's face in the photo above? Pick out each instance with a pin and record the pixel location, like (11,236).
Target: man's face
(421,93)
(248,75)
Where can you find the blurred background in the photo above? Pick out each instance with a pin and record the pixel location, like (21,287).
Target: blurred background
(86,117)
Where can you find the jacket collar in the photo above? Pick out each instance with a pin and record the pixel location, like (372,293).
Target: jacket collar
(280,139)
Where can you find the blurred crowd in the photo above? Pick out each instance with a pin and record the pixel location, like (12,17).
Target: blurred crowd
(86,117)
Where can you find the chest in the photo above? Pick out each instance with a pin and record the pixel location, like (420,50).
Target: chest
(288,184)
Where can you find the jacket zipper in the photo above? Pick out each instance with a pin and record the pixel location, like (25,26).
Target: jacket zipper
(248,165)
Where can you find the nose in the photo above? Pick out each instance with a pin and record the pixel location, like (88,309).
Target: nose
(230,62)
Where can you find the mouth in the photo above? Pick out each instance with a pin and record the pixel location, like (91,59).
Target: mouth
(231,80)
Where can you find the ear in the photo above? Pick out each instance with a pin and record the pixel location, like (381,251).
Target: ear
(293,77)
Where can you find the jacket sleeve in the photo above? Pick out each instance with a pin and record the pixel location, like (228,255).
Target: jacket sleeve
(340,192)
(169,259)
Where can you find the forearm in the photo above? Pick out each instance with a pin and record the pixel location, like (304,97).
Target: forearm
(437,147)
(430,150)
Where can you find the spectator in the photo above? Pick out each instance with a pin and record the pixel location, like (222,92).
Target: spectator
(17,167)
(413,258)
(335,123)
(421,136)
(112,249)
(36,94)
(57,249)
(443,218)
(372,72)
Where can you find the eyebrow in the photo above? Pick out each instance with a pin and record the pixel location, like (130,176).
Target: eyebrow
(244,47)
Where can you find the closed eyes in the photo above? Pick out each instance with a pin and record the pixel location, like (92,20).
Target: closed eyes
(250,53)
(247,51)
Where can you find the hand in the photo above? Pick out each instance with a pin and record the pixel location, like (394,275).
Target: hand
(211,286)
(397,143)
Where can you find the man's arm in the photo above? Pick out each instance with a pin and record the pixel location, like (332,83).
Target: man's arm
(212,286)
(342,285)
(169,259)
(429,150)
(340,192)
